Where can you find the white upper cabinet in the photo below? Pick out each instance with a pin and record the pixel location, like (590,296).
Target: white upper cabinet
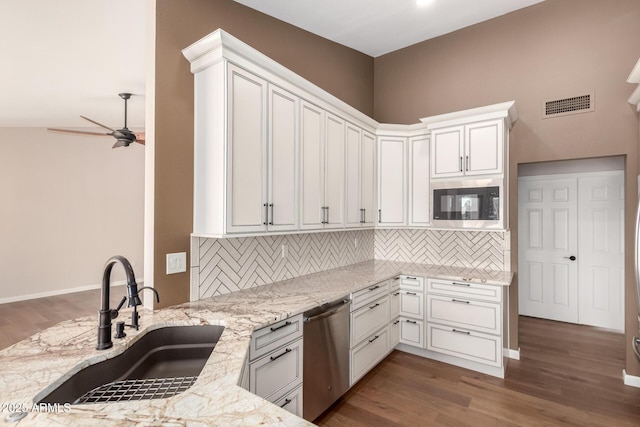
(391,181)
(472,142)
(360,177)
(247,152)
(312,127)
(334,172)
(419,178)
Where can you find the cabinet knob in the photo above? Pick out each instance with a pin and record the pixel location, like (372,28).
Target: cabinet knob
(570,258)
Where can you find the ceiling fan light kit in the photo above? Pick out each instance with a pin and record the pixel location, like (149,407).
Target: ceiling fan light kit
(124,137)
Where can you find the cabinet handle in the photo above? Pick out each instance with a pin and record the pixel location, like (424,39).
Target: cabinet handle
(286,402)
(271,206)
(266,214)
(460,284)
(411,321)
(287,323)
(362,216)
(461,332)
(396,294)
(467,166)
(379,215)
(396,278)
(323,215)
(374,306)
(327,211)
(374,338)
(411,278)
(460,301)
(396,322)
(373,288)
(286,350)
(460,163)
(411,293)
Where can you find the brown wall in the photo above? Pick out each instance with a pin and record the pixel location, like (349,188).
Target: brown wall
(341,71)
(554,49)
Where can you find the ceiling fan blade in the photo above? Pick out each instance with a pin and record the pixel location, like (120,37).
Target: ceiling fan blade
(118,144)
(98,124)
(79,132)
(139,137)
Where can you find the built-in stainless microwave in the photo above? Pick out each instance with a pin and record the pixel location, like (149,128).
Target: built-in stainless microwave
(468,204)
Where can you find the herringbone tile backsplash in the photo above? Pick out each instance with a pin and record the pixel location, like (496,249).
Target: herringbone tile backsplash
(220,266)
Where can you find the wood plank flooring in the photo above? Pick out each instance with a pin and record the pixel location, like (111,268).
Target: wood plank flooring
(567,375)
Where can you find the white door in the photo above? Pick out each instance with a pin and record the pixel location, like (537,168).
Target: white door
(590,223)
(352,174)
(484,148)
(246,162)
(334,172)
(601,261)
(447,147)
(547,239)
(368,178)
(283,154)
(419,211)
(312,124)
(391,182)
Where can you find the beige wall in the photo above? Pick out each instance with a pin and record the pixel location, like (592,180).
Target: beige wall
(341,71)
(555,49)
(68,204)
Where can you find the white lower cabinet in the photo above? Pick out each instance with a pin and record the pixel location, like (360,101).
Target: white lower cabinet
(369,319)
(412,332)
(292,402)
(394,333)
(471,345)
(368,353)
(276,364)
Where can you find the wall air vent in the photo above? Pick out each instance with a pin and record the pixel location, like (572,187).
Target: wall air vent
(566,106)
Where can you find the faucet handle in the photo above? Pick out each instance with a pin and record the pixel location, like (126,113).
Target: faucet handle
(114,312)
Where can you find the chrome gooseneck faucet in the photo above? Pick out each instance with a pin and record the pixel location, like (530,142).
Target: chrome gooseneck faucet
(106,314)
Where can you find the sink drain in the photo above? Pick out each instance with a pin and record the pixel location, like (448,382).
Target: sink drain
(151,388)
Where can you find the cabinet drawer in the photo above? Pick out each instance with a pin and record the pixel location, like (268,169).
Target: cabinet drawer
(467,314)
(394,284)
(412,304)
(394,304)
(394,333)
(277,372)
(369,319)
(412,332)
(412,282)
(475,346)
(465,290)
(367,355)
(268,339)
(364,296)
(292,401)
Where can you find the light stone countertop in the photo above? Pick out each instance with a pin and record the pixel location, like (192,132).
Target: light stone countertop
(33,367)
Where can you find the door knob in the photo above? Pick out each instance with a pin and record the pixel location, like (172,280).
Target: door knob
(571,258)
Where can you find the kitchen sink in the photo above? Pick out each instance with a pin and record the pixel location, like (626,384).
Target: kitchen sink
(162,363)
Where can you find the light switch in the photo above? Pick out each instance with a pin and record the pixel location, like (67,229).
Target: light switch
(176,263)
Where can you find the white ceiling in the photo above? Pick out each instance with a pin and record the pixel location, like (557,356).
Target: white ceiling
(376,27)
(64,58)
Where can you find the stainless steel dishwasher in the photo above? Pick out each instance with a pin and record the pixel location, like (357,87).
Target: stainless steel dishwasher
(326,356)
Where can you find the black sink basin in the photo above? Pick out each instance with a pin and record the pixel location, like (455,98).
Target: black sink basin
(162,363)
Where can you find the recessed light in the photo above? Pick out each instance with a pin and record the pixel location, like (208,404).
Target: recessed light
(424,3)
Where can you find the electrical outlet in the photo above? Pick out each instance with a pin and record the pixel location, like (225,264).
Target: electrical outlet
(176,263)
(285,251)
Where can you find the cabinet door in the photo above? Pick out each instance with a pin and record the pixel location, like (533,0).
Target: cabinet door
(368,353)
(312,122)
(352,197)
(292,402)
(394,304)
(334,172)
(484,148)
(391,182)
(274,374)
(394,333)
(412,304)
(419,213)
(367,178)
(283,155)
(412,332)
(246,161)
(447,145)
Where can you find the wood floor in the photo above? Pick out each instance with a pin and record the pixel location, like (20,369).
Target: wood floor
(567,375)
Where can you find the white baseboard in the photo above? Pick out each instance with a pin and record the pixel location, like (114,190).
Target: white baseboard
(63,291)
(511,354)
(630,380)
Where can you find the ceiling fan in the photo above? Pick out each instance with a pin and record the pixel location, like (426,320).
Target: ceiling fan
(124,137)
